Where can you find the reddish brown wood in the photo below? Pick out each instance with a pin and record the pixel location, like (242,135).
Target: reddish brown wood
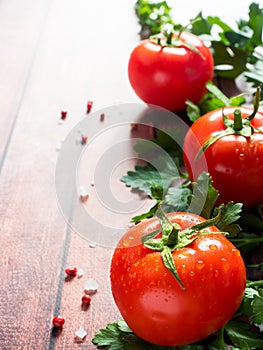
(50,61)
(55,55)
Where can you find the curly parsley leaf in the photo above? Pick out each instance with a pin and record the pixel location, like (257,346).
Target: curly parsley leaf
(177,199)
(257,308)
(118,336)
(152,16)
(242,337)
(230,213)
(204,195)
(144,177)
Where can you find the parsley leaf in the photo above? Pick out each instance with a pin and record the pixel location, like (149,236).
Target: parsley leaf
(242,337)
(230,213)
(177,199)
(118,336)
(204,194)
(152,16)
(257,307)
(145,177)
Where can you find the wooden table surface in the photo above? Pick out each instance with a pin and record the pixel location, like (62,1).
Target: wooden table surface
(55,55)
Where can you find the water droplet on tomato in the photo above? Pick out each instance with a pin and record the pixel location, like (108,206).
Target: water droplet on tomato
(213,247)
(183,268)
(200,265)
(236,251)
(225,264)
(241,156)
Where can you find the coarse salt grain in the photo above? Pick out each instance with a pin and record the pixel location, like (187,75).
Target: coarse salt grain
(59,146)
(80,273)
(91,286)
(83,193)
(80,334)
(92,244)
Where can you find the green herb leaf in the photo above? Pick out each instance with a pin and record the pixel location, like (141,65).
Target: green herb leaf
(245,241)
(242,337)
(230,213)
(118,336)
(257,307)
(193,111)
(204,193)
(145,177)
(177,199)
(152,16)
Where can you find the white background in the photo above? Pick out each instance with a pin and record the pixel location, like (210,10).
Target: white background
(229,11)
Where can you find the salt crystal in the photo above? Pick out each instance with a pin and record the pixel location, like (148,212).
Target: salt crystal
(83,194)
(59,146)
(91,286)
(80,334)
(117,102)
(92,244)
(80,273)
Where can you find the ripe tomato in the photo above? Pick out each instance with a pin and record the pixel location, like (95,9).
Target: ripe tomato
(154,304)
(167,75)
(234,161)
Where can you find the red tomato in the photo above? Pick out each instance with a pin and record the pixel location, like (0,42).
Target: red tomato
(154,304)
(235,162)
(167,76)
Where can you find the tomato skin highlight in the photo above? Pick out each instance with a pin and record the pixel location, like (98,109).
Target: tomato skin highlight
(151,300)
(168,76)
(235,162)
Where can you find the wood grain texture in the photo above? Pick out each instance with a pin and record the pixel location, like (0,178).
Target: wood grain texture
(54,55)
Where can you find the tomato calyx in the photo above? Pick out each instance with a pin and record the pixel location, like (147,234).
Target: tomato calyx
(237,126)
(172,238)
(168,38)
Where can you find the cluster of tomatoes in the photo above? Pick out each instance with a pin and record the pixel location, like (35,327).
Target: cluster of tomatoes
(167,72)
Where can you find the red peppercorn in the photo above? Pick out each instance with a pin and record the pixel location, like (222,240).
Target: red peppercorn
(58,321)
(64,115)
(89,106)
(71,271)
(84,139)
(86,299)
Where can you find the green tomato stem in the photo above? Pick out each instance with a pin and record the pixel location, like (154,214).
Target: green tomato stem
(238,123)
